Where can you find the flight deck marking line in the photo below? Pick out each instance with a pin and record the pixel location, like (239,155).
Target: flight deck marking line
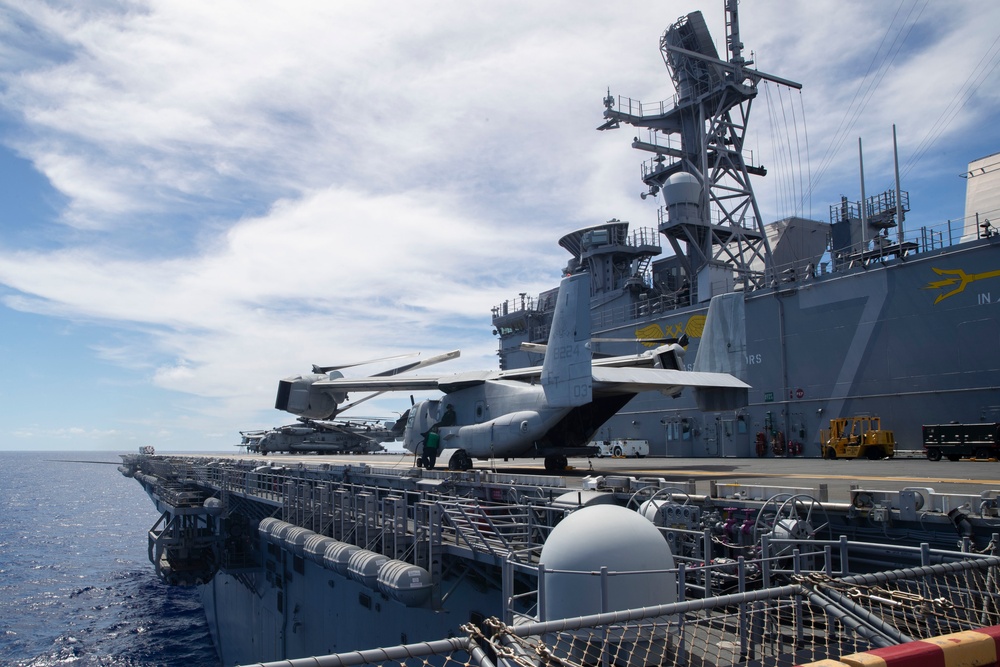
(736,473)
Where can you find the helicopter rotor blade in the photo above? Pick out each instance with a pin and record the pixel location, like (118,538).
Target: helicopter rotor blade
(661,340)
(400,369)
(326,369)
(348,406)
(539,348)
(429,361)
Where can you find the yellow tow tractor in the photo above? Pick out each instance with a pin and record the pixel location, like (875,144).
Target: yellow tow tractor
(857,437)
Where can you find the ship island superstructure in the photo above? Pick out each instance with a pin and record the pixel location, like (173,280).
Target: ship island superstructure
(860,314)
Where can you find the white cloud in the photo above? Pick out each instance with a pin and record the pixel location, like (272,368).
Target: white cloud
(181,99)
(333,277)
(72,433)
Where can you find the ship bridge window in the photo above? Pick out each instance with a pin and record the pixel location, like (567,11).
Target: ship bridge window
(512,327)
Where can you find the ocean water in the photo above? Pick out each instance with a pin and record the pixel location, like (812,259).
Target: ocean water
(76,586)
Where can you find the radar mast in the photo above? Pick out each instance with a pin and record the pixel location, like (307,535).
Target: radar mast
(710,217)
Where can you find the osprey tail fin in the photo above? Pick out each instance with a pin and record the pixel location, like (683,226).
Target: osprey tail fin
(566,371)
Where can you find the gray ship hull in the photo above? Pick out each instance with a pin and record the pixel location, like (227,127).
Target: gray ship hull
(255,618)
(907,339)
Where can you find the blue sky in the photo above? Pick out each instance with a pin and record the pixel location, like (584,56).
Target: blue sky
(198,199)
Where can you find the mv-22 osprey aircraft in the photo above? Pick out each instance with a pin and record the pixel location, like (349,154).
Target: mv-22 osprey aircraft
(553,410)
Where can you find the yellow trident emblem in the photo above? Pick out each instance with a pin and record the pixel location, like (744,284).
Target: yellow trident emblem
(961,278)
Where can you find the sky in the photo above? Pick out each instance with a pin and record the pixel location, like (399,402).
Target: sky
(198,199)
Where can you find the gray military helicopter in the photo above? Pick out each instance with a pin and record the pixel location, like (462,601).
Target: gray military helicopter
(354,436)
(551,410)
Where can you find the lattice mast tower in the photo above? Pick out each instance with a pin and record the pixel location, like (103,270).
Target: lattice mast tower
(711,218)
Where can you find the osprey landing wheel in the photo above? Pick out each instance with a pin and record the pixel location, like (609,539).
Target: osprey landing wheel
(556,463)
(460,460)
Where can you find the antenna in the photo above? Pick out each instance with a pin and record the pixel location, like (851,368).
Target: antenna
(711,218)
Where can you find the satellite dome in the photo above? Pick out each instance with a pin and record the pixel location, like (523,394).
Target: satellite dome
(605,536)
(682,188)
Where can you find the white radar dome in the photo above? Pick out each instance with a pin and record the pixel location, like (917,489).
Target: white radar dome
(611,536)
(682,188)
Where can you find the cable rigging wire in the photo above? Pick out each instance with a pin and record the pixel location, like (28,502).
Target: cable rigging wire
(805,132)
(777,151)
(788,181)
(880,64)
(986,66)
(798,149)
(779,144)
(787,155)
